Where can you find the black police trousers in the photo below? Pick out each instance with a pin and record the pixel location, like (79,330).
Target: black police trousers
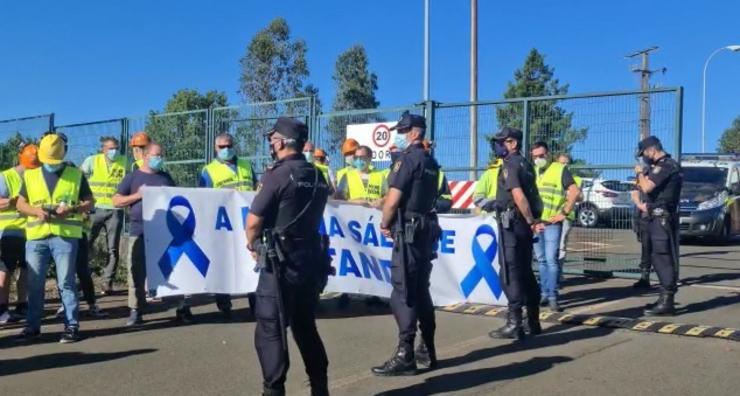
(522,289)
(643,237)
(664,250)
(299,302)
(419,307)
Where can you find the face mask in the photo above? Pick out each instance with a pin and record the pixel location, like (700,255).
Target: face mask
(112,153)
(53,168)
(155,163)
(308,155)
(359,164)
(499,150)
(540,162)
(401,142)
(349,160)
(395,155)
(226,153)
(647,160)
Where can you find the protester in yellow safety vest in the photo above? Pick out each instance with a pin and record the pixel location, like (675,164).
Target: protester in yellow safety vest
(484,196)
(362,184)
(559,192)
(53,198)
(348,151)
(137,144)
(444,197)
(105,172)
(229,172)
(317,157)
(13,234)
(564,159)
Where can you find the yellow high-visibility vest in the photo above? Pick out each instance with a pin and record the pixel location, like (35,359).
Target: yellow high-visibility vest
(222,176)
(488,182)
(357,189)
(572,214)
(550,186)
(10,219)
(324,170)
(440,186)
(67,190)
(105,179)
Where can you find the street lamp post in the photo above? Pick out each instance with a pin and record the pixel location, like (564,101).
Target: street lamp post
(733,48)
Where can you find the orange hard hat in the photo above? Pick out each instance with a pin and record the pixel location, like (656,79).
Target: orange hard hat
(29,156)
(140,139)
(319,153)
(350,146)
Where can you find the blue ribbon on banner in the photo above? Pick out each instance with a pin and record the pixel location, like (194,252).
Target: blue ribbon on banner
(483,267)
(182,240)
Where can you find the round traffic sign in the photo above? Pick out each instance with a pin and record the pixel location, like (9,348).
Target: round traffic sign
(381,135)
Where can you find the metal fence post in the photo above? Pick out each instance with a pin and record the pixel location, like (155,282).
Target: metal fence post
(124,135)
(525,125)
(51,122)
(679,124)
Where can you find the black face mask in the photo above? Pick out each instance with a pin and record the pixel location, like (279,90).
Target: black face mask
(499,149)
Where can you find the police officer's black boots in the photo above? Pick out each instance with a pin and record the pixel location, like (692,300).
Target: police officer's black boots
(643,282)
(426,355)
(513,328)
(401,363)
(663,307)
(273,392)
(533,320)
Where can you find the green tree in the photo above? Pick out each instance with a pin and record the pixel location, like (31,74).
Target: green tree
(182,132)
(356,86)
(547,121)
(730,140)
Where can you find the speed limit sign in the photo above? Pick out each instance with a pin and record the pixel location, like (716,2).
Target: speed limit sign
(377,136)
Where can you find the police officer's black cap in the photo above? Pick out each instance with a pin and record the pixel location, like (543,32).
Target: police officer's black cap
(508,133)
(409,120)
(646,143)
(290,128)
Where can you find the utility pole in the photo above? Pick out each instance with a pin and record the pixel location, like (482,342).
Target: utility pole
(645,73)
(473,89)
(427,64)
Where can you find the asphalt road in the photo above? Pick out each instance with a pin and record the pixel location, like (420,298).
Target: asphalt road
(216,358)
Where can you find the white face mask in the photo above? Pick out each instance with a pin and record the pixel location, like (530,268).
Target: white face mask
(349,160)
(540,162)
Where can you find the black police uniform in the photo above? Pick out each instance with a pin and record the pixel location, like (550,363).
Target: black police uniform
(288,188)
(518,280)
(662,205)
(416,175)
(642,222)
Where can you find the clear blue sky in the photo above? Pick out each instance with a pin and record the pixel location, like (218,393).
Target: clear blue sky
(91,60)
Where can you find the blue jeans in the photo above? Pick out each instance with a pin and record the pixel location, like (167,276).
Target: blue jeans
(38,255)
(546,250)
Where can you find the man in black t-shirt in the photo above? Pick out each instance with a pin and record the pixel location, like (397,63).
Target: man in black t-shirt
(129,195)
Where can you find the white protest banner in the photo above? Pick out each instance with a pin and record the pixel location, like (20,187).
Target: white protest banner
(195,243)
(377,136)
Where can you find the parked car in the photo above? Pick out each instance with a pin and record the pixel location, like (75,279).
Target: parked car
(604,200)
(710,197)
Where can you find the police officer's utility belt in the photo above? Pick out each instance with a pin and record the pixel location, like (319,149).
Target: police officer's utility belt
(507,217)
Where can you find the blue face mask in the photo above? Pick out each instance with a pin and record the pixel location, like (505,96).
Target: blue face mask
(155,163)
(53,168)
(111,154)
(401,142)
(359,164)
(499,149)
(308,155)
(226,153)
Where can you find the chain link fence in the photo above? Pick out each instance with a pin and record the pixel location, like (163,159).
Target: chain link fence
(15,132)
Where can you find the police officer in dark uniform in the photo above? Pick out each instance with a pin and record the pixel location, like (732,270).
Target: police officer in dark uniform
(518,207)
(282,229)
(661,183)
(409,217)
